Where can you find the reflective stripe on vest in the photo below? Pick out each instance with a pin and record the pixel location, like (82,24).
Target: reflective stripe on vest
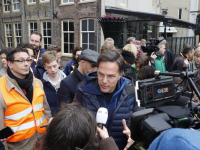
(20,115)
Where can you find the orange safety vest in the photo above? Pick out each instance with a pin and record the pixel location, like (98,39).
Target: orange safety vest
(23,117)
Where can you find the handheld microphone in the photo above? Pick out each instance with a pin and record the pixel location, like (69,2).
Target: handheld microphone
(101,117)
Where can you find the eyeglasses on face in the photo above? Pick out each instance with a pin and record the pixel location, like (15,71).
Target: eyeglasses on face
(22,61)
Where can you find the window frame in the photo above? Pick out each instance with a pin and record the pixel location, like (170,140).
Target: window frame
(180,12)
(62,35)
(43,44)
(45,1)
(29,27)
(122,2)
(16,36)
(62,2)
(81,39)
(6,37)
(4,5)
(32,3)
(13,3)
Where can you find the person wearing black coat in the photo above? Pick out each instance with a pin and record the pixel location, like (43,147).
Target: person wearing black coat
(87,63)
(169,60)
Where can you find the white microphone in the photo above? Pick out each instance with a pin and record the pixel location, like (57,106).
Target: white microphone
(101,117)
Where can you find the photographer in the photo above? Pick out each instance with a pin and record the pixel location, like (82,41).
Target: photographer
(157,58)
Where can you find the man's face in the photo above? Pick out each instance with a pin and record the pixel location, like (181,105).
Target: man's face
(35,41)
(78,53)
(108,76)
(52,68)
(197,58)
(20,67)
(162,49)
(59,55)
(3,60)
(88,67)
(190,54)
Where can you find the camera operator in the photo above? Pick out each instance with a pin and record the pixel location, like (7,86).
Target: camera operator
(157,58)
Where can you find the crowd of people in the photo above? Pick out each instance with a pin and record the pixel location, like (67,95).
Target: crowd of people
(35,91)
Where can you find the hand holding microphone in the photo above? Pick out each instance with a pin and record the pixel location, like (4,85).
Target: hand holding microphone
(101,119)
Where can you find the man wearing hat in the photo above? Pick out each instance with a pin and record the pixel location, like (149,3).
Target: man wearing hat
(87,63)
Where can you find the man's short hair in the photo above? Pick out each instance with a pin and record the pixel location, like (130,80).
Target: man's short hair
(6,50)
(106,46)
(26,45)
(10,54)
(110,39)
(49,56)
(130,39)
(111,56)
(55,48)
(37,33)
(187,48)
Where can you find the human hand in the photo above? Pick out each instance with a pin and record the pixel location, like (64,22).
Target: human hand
(128,134)
(185,63)
(153,57)
(103,133)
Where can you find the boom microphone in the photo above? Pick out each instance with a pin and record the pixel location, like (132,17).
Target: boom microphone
(157,73)
(101,117)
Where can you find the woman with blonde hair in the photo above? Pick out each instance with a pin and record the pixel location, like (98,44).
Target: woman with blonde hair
(130,48)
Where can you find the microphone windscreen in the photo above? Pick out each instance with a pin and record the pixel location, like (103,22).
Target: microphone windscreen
(102,115)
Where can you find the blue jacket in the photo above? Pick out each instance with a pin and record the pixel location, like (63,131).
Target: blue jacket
(68,67)
(177,139)
(38,69)
(120,107)
(52,93)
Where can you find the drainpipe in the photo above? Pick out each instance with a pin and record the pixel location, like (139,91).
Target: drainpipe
(52,27)
(24,22)
(97,35)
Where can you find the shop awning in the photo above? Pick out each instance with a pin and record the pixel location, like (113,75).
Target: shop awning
(167,20)
(168,29)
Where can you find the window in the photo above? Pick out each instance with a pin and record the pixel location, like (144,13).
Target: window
(15,5)
(68,36)
(87,33)
(179,13)
(44,0)
(32,27)
(67,1)
(18,35)
(46,34)
(31,1)
(6,5)
(122,2)
(8,31)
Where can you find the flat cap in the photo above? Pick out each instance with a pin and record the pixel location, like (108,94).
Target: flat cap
(89,55)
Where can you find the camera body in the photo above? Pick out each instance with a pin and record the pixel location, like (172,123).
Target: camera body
(151,46)
(163,112)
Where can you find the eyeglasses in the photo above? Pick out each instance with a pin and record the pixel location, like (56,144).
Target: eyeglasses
(23,61)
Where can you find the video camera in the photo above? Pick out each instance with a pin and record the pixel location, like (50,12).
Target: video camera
(165,107)
(151,46)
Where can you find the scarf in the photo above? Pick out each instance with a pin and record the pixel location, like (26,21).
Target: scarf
(24,84)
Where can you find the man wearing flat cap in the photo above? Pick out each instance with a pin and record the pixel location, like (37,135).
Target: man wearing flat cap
(87,63)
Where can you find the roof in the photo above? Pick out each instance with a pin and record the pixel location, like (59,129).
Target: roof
(170,21)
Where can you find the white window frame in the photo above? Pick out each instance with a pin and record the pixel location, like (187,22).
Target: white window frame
(30,27)
(15,3)
(17,32)
(62,2)
(44,1)
(45,36)
(9,29)
(6,5)
(122,2)
(68,32)
(28,2)
(87,32)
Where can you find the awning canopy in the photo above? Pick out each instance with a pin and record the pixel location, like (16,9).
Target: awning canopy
(167,20)
(168,29)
